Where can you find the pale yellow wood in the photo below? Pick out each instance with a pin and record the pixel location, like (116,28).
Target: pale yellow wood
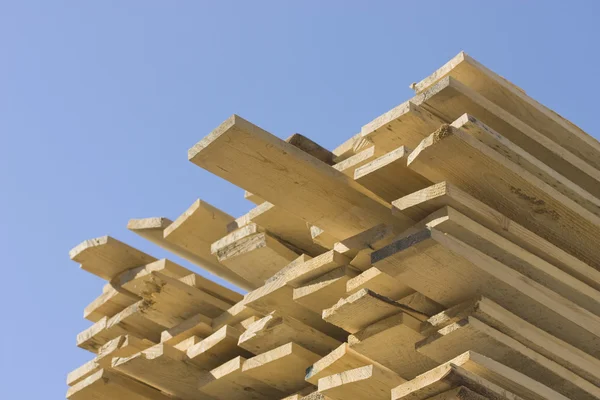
(389,177)
(531,336)
(363,308)
(420,204)
(131,320)
(236,314)
(450,221)
(216,349)
(303,272)
(228,382)
(277,329)
(449,272)
(340,359)
(185,344)
(479,373)
(391,342)
(284,273)
(322,196)
(350,164)
(324,291)
(370,382)
(322,238)
(472,334)
(508,188)
(253,198)
(197,325)
(459,393)
(212,288)
(347,149)
(514,100)
(495,140)
(112,301)
(108,385)
(153,229)
(449,99)
(421,303)
(281,224)
(379,282)
(107,257)
(282,368)
(165,368)
(312,148)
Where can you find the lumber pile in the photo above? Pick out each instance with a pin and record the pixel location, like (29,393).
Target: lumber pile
(449,250)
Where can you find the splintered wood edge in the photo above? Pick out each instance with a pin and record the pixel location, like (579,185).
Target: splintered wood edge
(86,244)
(136,224)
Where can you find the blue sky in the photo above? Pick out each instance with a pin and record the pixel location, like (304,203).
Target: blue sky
(100,101)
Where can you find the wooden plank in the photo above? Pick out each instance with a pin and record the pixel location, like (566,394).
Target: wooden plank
(312,148)
(514,100)
(106,385)
(107,257)
(421,204)
(370,382)
(292,179)
(496,141)
(449,99)
(481,374)
(216,349)
(350,164)
(511,190)
(341,359)
(450,221)
(185,344)
(301,273)
(129,321)
(109,303)
(389,177)
(282,368)
(197,325)
(235,315)
(281,224)
(277,329)
(379,282)
(324,291)
(449,272)
(229,382)
(529,335)
(322,238)
(472,334)
(364,308)
(459,393)
(217,291)
(152,229)
(399,332)
(404,125)
(421,303)
(253,198)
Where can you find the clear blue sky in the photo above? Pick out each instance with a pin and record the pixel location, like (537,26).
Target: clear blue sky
(100,101)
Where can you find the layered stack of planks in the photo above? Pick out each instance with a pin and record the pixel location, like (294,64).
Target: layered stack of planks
(449,250)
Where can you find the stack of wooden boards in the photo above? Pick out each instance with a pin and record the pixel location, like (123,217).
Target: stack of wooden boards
(447,251)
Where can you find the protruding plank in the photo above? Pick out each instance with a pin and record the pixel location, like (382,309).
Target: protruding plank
(324,291)
(281,224)
(450,271)
(399,332)
(420,204)
(338,360)
(256,257)
(363,308)
(508,188)
(185,344)
(322,238)
(253,198)
(292,179)
(450,99)
(197,325)
(107,385)
(379,282)
(228,382)
(282,368)
(370,382)
(312,148)
(129,321)
(350,164)
(276,329)
(515,101)
(472,334)
(107,257)
(164,368)
(153,229)
(302,273)
(109,303)
(480,374)
(389,177)
(531,336)
(217,348)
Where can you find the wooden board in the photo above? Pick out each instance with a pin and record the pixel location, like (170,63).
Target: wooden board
(449,272)
(508,188)
(379,282)
(449,99)
(107,385)
(109,303)
(107,257)
(350,164)
(310,147)
(324,291)
(216,349)
(514,100)
(340,359)
(282,368)
(277,329)
(197,325)
(472,334)
(370,382)
(423,203)
(389,177)
(319,194)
